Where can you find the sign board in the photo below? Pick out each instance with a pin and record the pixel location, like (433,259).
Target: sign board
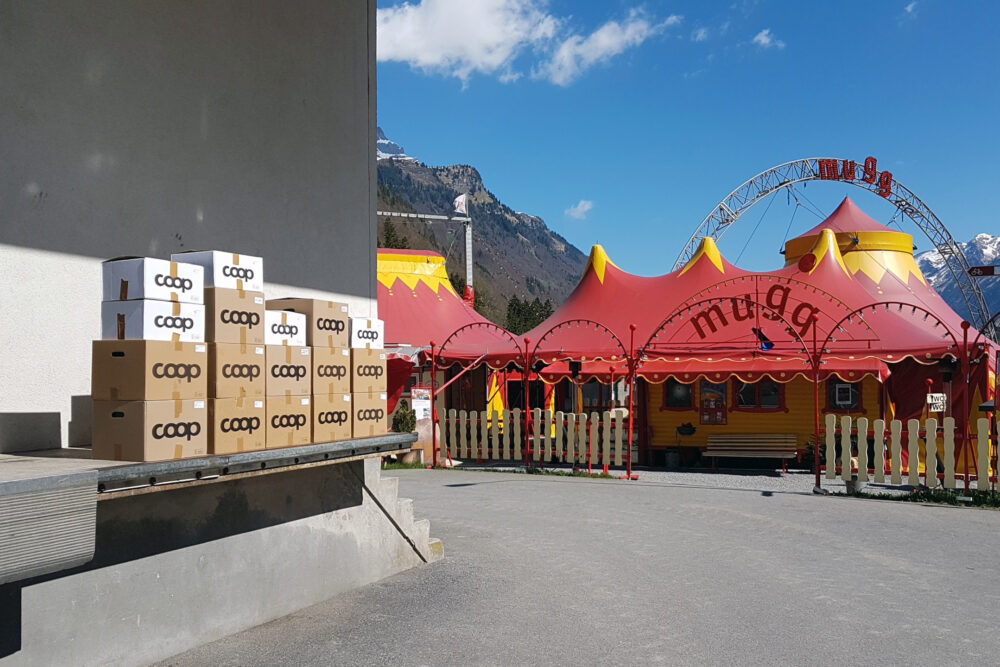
(420,398)
(936,402)
(982,271)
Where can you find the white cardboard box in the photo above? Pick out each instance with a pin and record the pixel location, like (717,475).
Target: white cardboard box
(367,333)
(130,278)
(147,319)
(227,269)
(283,327)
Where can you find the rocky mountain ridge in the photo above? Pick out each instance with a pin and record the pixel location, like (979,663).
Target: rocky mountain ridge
(982,250)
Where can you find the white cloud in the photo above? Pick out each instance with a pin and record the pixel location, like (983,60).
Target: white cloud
(910,7)
(461,38)
(765,40)
(580,211)
(699,35)
(577,54)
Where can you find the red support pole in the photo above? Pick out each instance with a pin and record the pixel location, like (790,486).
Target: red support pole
(527,404)
(631,399)
(965,402)
(815,405)
(434,415)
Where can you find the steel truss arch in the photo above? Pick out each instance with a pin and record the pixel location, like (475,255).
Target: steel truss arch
(766,183)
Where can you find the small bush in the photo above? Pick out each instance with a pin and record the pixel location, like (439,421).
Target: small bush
(405,419)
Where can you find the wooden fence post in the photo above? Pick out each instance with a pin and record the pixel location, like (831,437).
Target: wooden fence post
(831,446)
(913,452)
(949,453)
(879,428)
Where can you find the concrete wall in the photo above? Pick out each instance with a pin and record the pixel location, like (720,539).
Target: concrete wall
(178,568)
(146,128)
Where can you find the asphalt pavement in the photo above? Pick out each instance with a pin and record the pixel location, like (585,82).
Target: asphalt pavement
(670,569)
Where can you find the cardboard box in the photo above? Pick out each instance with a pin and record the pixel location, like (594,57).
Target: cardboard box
(289,421)
(234,316)
(326,321)
(229,270)
(236,425)
(129,278)
(152,320)
(147,370)
(367,334)
(288,371)
(149,430)
(332,417)
(368,370)
(282,327)
(370,414)
(331,370)
(236,371)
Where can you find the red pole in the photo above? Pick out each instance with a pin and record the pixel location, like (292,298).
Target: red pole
(527,404)
(815,405)
(965,402)
(434,416)
(631,401)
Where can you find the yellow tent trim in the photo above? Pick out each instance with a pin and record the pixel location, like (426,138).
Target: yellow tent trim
(599,261)
(412,270)
(708,249)
(826,244)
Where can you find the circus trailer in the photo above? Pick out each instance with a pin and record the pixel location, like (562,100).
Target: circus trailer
(421,309)
(734,362)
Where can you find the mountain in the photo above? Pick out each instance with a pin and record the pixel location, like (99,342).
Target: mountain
(387,148)
(513,253)
(983,250)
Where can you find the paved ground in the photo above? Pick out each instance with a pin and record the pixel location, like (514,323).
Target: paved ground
(671,569)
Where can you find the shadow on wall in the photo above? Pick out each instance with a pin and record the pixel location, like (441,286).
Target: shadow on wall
(24,431)
(81,421)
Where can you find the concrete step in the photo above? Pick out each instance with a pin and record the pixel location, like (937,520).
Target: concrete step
(387,490)
(403,512)
(421,534)
(435,550)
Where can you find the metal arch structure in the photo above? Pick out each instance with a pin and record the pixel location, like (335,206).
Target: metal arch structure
(788,174)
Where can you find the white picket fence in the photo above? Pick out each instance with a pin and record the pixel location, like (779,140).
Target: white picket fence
(890,445)
(580,439)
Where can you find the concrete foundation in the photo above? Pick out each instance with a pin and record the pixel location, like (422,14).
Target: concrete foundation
(178,568)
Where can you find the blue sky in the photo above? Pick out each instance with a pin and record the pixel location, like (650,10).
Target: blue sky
(625,123)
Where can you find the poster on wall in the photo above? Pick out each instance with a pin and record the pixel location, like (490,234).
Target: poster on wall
(713,403)
(420,397)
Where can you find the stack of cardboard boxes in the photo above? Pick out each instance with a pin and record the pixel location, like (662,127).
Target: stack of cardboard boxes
(330,373)
(234,330)
(368,378)
(195,362)
(149,380)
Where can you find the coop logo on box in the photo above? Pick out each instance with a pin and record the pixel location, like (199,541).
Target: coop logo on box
(186,372)
(370,371)
(173,322)
(248,424)
(331,371)
(289,329)
(333,417)
(329,324)
(248,371)
(368,334)
(371,415)
(288,421)
(183,284)
(245,317)
(288,371)
(238,272)
(186,430)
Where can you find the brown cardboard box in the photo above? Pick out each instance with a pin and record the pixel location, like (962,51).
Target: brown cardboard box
(148,370)
(289,421)
(326,321)
(236,425)
(368,370)
(234,316)
(236,371)
(331,370)
(149,430)
(370,414)
(331,417)
(288,371)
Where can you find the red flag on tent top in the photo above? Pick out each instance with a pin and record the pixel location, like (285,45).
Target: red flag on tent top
(461,204)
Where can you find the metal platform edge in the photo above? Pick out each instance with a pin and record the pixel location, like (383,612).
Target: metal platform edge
(163,475)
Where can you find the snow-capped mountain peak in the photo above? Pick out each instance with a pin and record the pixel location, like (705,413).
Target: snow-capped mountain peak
(387,148)
(983,250)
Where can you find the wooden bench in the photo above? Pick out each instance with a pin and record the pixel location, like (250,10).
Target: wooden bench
(752,445)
